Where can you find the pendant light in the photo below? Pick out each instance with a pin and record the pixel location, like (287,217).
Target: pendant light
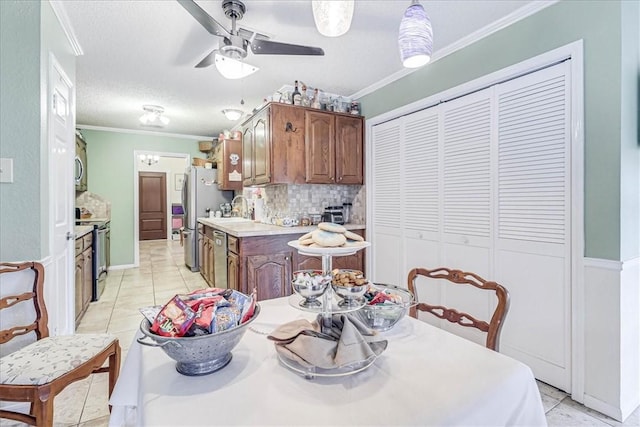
(416,36)
(153,116)
(332,17)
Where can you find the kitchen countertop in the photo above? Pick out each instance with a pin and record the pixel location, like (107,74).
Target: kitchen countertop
(81,230)
(239,227)
(92,219)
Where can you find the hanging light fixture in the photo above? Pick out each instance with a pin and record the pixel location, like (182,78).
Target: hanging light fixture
(149,159)
(232,68)
(332,17)
(232,114)
(416,36)
(153,116)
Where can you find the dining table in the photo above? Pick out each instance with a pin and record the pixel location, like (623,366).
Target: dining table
(425,376)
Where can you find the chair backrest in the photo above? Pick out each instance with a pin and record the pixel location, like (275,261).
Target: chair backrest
(492,328)
(13,274)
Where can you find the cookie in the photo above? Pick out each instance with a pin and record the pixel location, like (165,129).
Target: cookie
(328,239)
(306,242)
(353,236)
(354,243)
(306,236)
(330,226)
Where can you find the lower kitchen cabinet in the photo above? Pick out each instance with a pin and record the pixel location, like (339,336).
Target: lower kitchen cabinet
(205,252)
(269,274)
(233,271)
(266,263)
(83,275)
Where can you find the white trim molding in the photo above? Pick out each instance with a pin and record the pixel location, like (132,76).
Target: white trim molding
(518,15)
(65,23)
(606,264)
(144,132)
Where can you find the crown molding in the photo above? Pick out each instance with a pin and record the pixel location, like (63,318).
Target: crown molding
(517,15)
(63,18)
(144,132)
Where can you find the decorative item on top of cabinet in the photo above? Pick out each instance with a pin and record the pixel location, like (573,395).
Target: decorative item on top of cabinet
(228,155)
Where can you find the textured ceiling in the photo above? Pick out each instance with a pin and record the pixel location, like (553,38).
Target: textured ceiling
(144,52)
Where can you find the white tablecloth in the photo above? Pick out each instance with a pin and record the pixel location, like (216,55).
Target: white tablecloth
(425,377)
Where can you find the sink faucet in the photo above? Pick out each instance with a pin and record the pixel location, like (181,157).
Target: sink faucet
(244,210)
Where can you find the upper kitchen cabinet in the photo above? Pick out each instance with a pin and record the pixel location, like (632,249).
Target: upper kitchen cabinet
(333,148)
(80,167)
(273,146)
(228,157)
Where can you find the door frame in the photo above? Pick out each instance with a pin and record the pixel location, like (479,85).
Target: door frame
(136,196)
(575,52)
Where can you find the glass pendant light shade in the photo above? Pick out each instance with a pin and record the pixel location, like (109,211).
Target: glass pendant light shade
(232,114)
(232,68)
(416,36)
(332,17)
(153,116)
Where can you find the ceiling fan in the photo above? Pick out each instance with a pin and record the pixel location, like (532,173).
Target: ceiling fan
(237,41)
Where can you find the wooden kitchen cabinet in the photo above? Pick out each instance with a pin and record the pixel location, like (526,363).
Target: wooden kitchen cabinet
(333,148)
(205,252)
(229,161)
(269,274)
(233,273)
(256,146)
(83,275)
(266,263)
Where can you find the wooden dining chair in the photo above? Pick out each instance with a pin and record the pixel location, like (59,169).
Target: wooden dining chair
(492,328)
(38,371)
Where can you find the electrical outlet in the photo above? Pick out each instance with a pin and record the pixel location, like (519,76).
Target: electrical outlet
(6,170)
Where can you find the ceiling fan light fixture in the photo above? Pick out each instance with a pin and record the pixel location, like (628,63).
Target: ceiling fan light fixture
(332,17)
(232,114)
(153,116)
(415,38)
(232,68)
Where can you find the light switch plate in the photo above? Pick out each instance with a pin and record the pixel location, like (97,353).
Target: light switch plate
(6,170)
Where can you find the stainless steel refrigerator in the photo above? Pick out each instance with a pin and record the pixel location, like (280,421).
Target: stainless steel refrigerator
(199,193)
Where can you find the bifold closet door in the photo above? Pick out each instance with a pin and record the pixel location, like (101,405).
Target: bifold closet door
(533,229)
(386,203)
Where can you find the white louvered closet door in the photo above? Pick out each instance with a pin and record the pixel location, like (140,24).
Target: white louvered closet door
(386,200)
(533,207)
(466,202)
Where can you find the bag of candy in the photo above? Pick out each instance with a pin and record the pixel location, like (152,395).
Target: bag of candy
(174,319)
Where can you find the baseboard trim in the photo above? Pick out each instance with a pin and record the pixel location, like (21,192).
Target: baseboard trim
(603,407)
(606,264)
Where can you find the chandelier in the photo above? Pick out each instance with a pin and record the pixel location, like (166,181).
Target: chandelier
(153,116)
(149,159)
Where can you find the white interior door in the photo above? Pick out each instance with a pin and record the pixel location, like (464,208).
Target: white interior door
(59,281)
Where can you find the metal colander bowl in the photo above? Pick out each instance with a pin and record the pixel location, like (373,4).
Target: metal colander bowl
(198,355)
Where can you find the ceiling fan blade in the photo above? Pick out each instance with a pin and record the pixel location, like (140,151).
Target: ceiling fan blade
(210,24)
(247,34)
(267,47)
(207,60)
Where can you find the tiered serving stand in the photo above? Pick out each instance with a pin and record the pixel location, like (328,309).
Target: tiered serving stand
(328,307)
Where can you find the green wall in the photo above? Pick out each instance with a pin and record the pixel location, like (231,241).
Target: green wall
(598,23)
(20,207)
(110,175)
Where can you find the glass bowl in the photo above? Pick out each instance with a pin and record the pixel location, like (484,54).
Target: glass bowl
(310,284)
(351,293)
(383,317)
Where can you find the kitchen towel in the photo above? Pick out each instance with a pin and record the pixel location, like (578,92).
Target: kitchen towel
(348,341)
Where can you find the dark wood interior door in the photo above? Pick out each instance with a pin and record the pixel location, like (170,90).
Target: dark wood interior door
(152,198)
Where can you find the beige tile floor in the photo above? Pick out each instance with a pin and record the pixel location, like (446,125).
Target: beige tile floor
(160,276)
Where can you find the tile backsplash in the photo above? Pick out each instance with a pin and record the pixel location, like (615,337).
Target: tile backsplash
(97,205)
(293,199)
